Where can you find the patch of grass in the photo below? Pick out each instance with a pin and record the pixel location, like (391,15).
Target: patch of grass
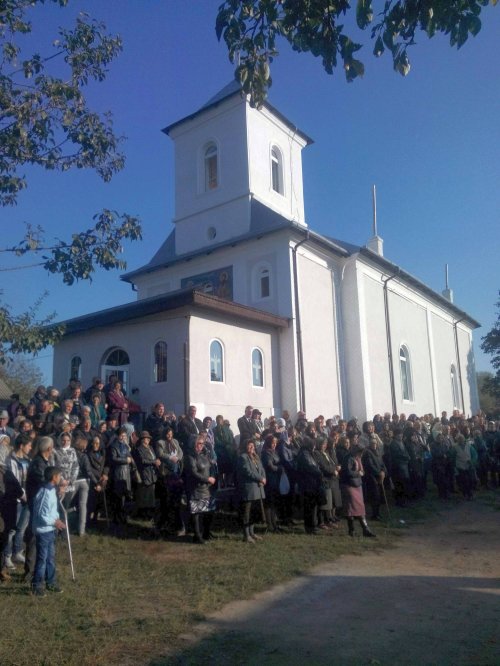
(134,597)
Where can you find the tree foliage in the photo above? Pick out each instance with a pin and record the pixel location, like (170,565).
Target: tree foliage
(488,403)
(22,376)
(252,28)
(491,345)
(45,121)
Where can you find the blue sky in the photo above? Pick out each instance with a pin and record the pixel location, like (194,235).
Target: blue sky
(430,142)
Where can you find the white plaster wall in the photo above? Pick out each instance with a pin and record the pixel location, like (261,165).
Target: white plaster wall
(355,384)
(137,338)
(374,317)
(317,319)
(224,124)
(264,131)
(230,396)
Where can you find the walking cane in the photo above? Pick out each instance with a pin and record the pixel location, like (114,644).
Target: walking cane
(264,520)
(386,503)
(105,506)
(69,541)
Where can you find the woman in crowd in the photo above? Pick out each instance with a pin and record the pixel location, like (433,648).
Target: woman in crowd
(121,466)
(310,481)
(328,470)
(331,449)
(147,466)
(118,403)
(225,450)
(464,454)
(351,480)
(170,483)
(198,484)
(98,478)
(375,472)
(97,411)
(273,469)
(250,480)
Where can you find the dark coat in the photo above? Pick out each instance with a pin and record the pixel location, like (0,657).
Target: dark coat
(327,467)
(97,464)
(247,428)
(187,428)
(145,459)
(309,475)
(272,468)
(249,473)
(350,475)
(120,468)
(36,477)
(196,473)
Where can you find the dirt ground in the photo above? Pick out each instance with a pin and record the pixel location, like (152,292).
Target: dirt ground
(432,600)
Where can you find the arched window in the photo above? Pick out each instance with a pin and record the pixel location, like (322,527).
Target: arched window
(216,362)
(211,167)
(454,387)
(277,170)
(405,370)
(160,366)
(76,368)
(257,368)
(262,281)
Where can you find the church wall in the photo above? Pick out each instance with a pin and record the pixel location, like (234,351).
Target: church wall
(138,339)
(318,328)
(225,125)
(264,132)
(409,328)
(376,336)
(355,353)
(230,397)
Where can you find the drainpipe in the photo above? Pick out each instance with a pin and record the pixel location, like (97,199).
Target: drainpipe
(300,353)
(457,352)
(389,341)
(186,371)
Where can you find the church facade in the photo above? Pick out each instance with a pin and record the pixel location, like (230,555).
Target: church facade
(245,304)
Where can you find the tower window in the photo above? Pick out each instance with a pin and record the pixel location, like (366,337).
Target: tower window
(277,170)
(211,167)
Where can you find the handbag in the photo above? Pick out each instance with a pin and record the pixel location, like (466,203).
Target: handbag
(202,505)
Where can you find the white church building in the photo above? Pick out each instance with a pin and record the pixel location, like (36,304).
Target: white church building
(245,304)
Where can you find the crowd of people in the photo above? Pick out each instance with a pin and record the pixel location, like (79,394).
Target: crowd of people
(85,455)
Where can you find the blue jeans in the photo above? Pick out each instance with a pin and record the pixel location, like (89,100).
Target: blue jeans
(45,565)
(16,536)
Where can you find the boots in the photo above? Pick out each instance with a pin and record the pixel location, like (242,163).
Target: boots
(254,536)
(350,526)
(246,535)
(198,538)
(366,530)
(207,524)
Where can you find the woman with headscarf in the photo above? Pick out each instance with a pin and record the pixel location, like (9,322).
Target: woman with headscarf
(121,465)
(351,483)
(147,467)
(250,480)
(198,483)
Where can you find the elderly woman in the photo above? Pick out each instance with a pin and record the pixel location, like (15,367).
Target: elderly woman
(328,469)
(198,483)
(250,480)
(118,403)
(170,484)
(121,465)
(147,465)
(351,479)
(97,411)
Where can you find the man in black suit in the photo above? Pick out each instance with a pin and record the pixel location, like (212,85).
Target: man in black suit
(189,425)
(246,425)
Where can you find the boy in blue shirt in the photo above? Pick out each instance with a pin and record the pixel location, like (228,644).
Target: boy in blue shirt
(45,523)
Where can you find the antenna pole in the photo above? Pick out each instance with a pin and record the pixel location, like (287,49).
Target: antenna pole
(374,196)
(446,275)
